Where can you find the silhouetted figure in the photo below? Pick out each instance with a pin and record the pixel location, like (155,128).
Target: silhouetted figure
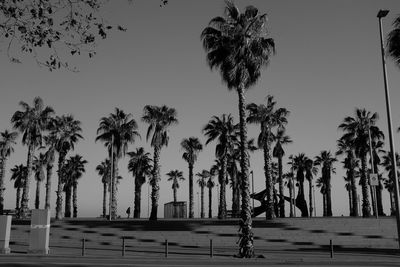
(128,211)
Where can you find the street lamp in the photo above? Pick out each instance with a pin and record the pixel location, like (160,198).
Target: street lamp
(382,14)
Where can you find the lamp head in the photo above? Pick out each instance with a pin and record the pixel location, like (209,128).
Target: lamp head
(382,13)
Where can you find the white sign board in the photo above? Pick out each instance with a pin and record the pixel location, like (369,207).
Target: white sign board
(373,179)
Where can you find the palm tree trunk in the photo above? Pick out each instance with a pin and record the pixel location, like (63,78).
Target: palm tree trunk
(202,215)
(328,195)
(379,191)
(191,211)
(155,194)
(269,212)
(281,196)
(75,199)
(300,200)
(138,194)
(210,202)
(49,173)
(18,200)
(25,192)
(104,200)
(114,189)
(59,202)
(350,200)
(235,196)
(324,204)
(353,189)
(222,192)
(291,201)
(246,247)
(310,197)
(366,209)
(37,197)
(68,199)
(392,204)
(174,194)
(2,188)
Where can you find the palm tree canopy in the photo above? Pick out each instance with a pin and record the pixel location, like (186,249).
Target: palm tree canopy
(325,160)
(310,169)
(387,163)
(238,45)
(191,147)
(393,41)
(223,129)
(175,176)
(7,140)
(203,175)
(159,120)
(356,130)
(32,121)
(74,169)
(281,139)
(103,169)
(119,127)
(140,164)
(18,174)
(66,131)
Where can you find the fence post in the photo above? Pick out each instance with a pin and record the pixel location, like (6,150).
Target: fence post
(83,246)
(166,248)
(123,246)
(211,249)
(331,247)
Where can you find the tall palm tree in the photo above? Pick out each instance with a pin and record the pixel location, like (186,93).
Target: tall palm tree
(288,177)
(159,120)
(281,139)
(66,131)
(210,185)
(116,131)
(74,169)
(238,45)
(356,131)
(191,147)
(346,146)
(202,181)
(175,176)
(38,168)
(326,160)
(299,165)
(50,141)
(31,122)
(225,131)
(103,169)
(7,141)
(310,170)
(387,163)
(268,116)
(321,183)
(18,174)
(347,186)
(377,148)
(140,164)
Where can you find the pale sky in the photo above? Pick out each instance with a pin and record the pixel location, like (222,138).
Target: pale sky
(327,63)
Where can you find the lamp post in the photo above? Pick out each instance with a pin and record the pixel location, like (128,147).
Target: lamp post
(381,14)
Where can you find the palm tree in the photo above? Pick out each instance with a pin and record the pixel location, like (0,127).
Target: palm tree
(175,176)
(210,185)
(347,186)
(356,131)
(225,131)
(321,183)
(377,148)
(326,160)
(393,41)
(116,131)
(103,169)
(268,117)
(191,147)
(31,122)
(202,183)
(159,120)
(38,168)
(238,46)
(7,141)
(50,141)
(140,166)
(288,177)
(18,175)
(299,165)
(350,163)
(66,131)
(310,170)
(74,169)
(281,139)
(387,163)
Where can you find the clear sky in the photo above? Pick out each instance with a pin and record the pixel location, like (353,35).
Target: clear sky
(327,63)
